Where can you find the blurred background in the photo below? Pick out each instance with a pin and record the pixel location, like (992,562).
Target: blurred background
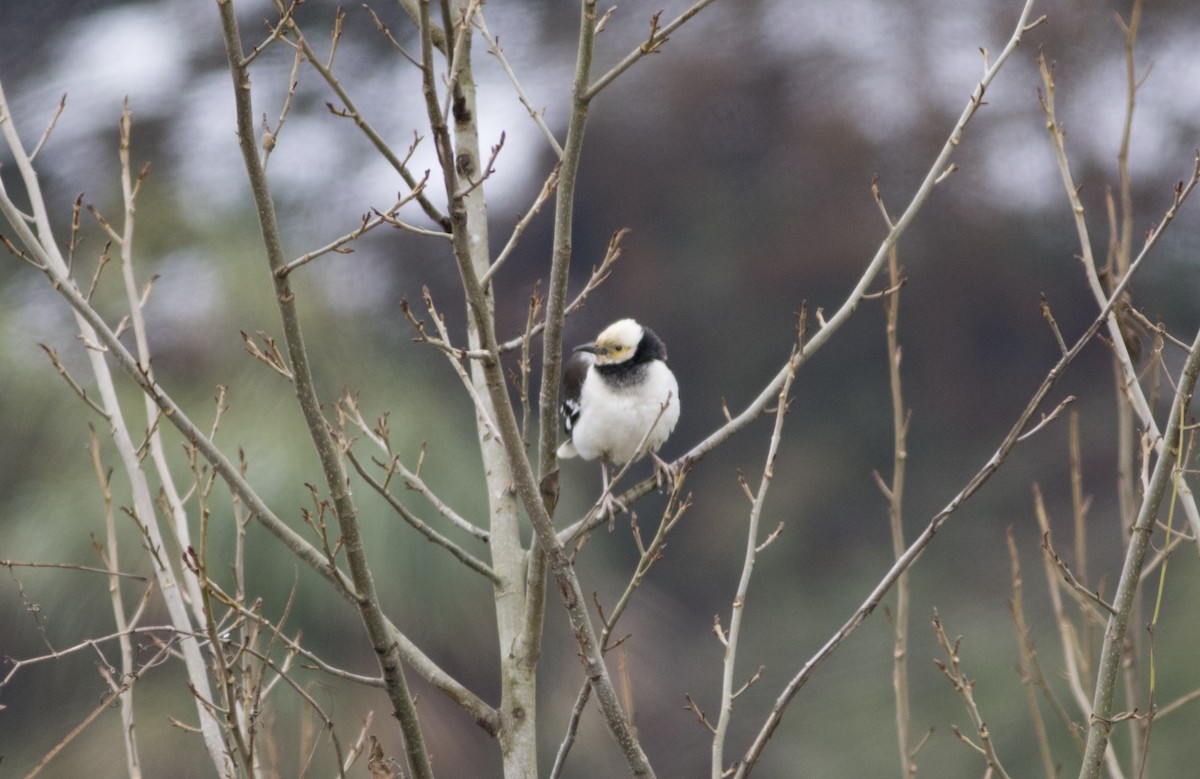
(740,157)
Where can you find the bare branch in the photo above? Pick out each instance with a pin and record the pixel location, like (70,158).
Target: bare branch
(463,556)
(366,225)
(1129,384)
(753,547)
(386,648)
(1112,648)
(352,112)
(387,33)
(658,36)
(848,307)
(497,52)
(105,702)
(963,686)
(547,190)
(62,103)
(70,567)
(1082,594)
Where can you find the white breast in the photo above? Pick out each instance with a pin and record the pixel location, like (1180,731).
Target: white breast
(614,420)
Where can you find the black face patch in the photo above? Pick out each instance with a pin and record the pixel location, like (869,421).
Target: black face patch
(650,348)
(623,374)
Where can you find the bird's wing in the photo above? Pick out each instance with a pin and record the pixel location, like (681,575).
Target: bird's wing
(574,373)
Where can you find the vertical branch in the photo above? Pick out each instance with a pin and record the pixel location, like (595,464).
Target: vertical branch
(51,262)
(1129,386)
(895,496)
(1143,747)
(730,639)
(1101,723)
(136,299)
(564,215)
(556,301)
(1031,673)
(382,638)
(112,561)
(963,685)
(1126,433)
(1068,635)
(650,554)
(1087,644)
(525,482)
(519,631)
(1120,253)
(1125,247)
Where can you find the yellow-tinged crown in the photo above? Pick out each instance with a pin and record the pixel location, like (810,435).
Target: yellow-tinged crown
(617,342)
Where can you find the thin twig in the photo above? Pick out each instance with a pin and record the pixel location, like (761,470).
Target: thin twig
(460,554)
(523,222)
(366,225)
(963,686)
(70,566)
(658,36)
(895,495)
(351,110)
(598,276)
(387,33)
(733,636)
(1031,672)
(1130,387)
(1074,661)
(1082,594)
(378,628)
(537,116)
(1112,648)
(62,104)
(650,554)
(105,702)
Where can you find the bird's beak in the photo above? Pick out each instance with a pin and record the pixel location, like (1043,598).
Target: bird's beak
(588,348)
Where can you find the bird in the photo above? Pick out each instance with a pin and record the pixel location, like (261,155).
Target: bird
(620,401)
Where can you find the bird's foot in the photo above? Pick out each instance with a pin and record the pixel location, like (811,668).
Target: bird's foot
(609,505)
(665,474)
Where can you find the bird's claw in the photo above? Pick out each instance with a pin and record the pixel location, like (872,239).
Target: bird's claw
(609,504)
(665,474)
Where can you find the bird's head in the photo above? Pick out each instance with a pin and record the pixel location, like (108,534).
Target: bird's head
(616,344)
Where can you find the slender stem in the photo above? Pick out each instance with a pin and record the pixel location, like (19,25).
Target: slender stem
(462,555)
(650,554)
(1015,434)
(963,685)
(1101,724)
(49,259)
(1031,673)
(1126,433)
(352,111)
(526,484)
(497,52)
(658,36)
(895,495)
(129,734)
(385,646)
(564,215)
(733,635)
(1129,385)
